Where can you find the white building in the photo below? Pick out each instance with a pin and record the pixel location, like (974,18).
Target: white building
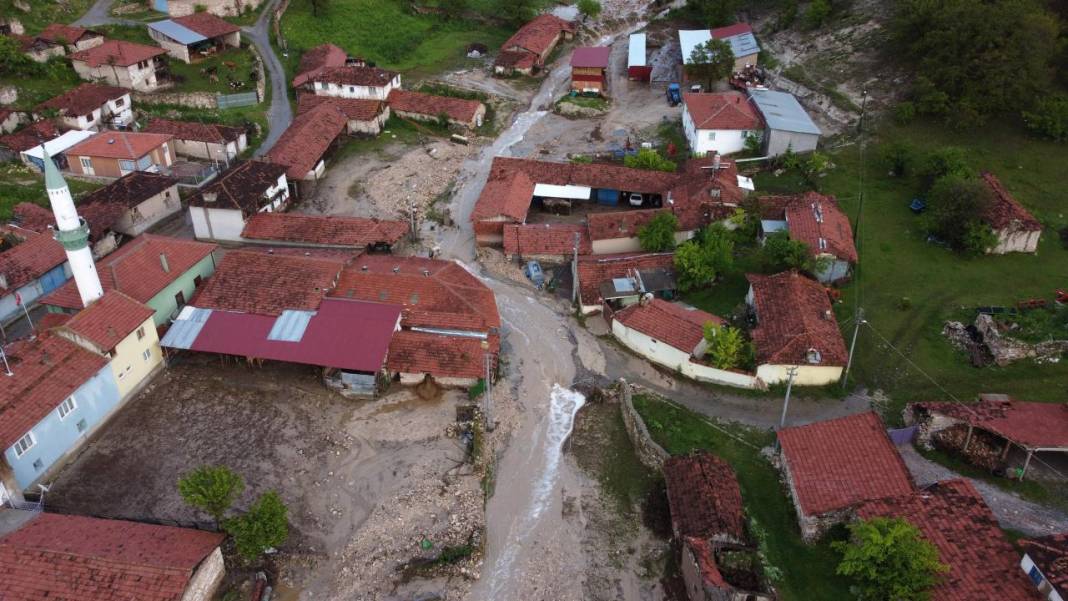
(91,107)
(220,209)
(351,81)
(719,122)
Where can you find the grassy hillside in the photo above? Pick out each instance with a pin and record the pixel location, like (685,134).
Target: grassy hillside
(44,12)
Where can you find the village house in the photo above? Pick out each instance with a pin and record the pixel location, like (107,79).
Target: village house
(355,81)
(315,60)
(158,271)
(14,144)
(195,36)
(553,243)
(952,516)
(220,8)
(796,330)
(831,466)
(56,147)
(1016,228)
(589,70)
(116,153)
(638,67)
(720,123)
(365,117)
(121,63)
(430,107)
(100,217)
(72,37)
(220,210)
(621,280)
(742,41)
(1015,432)
(54,556)
(57,395)
(139,200)
(527,50)
(39,50)
(120,329)
(91,106)
(788,126)
(10,120)
(306,144)
(1045,561)
(324,231)
(34,266)
(816,220)
(708,523)
(211,141)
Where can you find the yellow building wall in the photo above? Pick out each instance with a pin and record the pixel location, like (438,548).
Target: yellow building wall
(128,362)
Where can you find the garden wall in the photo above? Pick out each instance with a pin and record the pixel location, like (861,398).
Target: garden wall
(649,453)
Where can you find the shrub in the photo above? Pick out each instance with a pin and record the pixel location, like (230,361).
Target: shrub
(726,345)
(581,159)
(781,253)
(817,13)
(978,238)
(905,112)
(590,8)
(262,527)
(647,158)
(212,489)
(1049,117)
(699,261)
(955,207)
(659,234)
(944,162)
(900,157)
(888,560)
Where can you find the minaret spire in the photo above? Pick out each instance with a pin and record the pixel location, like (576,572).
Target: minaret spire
(73,233)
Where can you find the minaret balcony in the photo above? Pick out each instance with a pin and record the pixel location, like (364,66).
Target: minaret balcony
(75,239)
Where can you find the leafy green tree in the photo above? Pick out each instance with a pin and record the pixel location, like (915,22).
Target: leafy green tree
(518,12)
(948,161)
(711,61)
(975,58)
(648,158)
(262,527)
(716,13)
(659,234)
(781,253)
(817,13)
(955,210)
(1049,117)
(589,8)
(888,560)
(700,261)
(212,489)
(726,345)
(13,63)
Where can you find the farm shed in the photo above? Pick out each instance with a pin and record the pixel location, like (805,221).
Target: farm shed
(638,67)
(788,125)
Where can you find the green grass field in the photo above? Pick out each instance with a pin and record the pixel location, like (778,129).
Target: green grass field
(19,183)
(45,12)
(807,571)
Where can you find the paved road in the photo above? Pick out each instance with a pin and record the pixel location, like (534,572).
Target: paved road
(98,14)
(1011,510)
(279,114)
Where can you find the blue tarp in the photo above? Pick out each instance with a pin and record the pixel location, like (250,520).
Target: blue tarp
(176,32)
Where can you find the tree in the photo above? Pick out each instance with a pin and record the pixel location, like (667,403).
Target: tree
(888,560)
(589,8)
(13,63)
(711,61)
(647,158)
(975,58)
(1049,118)
(212,489)
(518,12)
(700,261)
(817,12)
(716,13)
(955,210)
(726,345)
(782,253)
(659,234)
(262,527)
(948,161)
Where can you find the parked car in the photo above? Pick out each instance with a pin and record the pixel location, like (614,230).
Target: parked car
(674,95)
(534,274)
(635,199)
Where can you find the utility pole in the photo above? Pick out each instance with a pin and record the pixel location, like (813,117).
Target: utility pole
(791,371)
(853,345)
(487,400)
(7,368)
(411,213)
(574,269)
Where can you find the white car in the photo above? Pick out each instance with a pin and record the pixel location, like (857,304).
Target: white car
(636,199)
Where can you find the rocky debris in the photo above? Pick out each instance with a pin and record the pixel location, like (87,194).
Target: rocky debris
(570,109)
(986,342)
(495,262)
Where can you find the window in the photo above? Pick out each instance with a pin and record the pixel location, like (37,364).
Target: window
(120,102)
(352,90)
(711,135)
(24,444)
(126,166)
(145,355)
(179,299)
(813,356)
(87,163)
(82,426)
(823,244)
(319,85)
(140,332)
(145,162)
(196,281)
(38,465)
(66,407)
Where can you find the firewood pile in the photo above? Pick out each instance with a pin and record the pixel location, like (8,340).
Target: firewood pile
(984,450)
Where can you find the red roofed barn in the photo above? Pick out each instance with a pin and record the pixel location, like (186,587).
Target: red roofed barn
(91,106)
(73,37)
(365,116)
(589,69)
(430,107)
(216,143)
(528,48)
(1016,228)
(324,231)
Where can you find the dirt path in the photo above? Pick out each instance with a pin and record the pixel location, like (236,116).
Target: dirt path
(1011,510)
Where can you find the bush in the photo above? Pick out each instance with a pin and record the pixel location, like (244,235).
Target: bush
(782,253)
(659,234)
(699,261)
(900,158)
(978,238)
(889,560)
(1049,118)
(955,207)
(948,161)
(817,13)
(211,489)
(647,158)
(905,112)
(726,345)
(262,527)
(581,159)
(589,8)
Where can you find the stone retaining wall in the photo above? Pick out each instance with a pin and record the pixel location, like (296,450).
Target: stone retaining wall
(649,452)
(199,100)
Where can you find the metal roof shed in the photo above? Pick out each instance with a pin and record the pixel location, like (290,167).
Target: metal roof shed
(638,68)
(788,125)
(179,33)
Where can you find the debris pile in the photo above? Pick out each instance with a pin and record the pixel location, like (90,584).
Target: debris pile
(986,342)
(983,450)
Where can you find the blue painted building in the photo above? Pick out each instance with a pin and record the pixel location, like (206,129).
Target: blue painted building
(57,395)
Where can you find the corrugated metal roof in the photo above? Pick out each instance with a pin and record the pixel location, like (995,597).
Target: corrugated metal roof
(185,328)
(290,325)
(743,44)
(692,39)
(176,32)
(60,144)
(636,50)
(783,112)
(553,191)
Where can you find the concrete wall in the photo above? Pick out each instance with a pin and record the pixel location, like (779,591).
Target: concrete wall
(129,363)
(56,438)
(372,127)
(475,121)
(1011,240)
(133,77)
(365,92)
(151,211)
(777,141)
(206,578)
(651,454)
(222,8)
(173,48)
(672,358)
(632,244)
(723,141)
(835,270)
(210,150)
(807,375)
(227,224)
(43,55)
(164,303)
(414,379)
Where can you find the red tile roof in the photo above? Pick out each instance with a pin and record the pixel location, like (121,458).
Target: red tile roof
(31,135)
(240,187)
(90,559)
(813,217)
(267,284)
(354,75)
(119,145)
(595,269)
(135,269)
(206,24)
(34,217)
(595,57)
(315,60)
(1006,210)
(413,352)
(1050,554)
(516,59)
(434,293)
(539,34)
(47,369)
(355,232)
(118,52)
(794,316)
(706,562)
(1029,424)
(307,140)
(196,132)
(840,462)
(58,33)
(676,325)
(433,106)
(355,109)
(620,224)
(729,31)
(109,319)
(952,516)
(727,110)
(704,497)
(51,320)
(83,99)
(129,190)
(30,259)
(546,239)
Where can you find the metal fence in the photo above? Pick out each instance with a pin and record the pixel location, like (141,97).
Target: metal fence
(228,101)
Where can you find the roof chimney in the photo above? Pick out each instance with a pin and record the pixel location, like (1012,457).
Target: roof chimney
(363,268)
(396,269)
(163,263)
(426,273)
(111,140)
(210,196)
